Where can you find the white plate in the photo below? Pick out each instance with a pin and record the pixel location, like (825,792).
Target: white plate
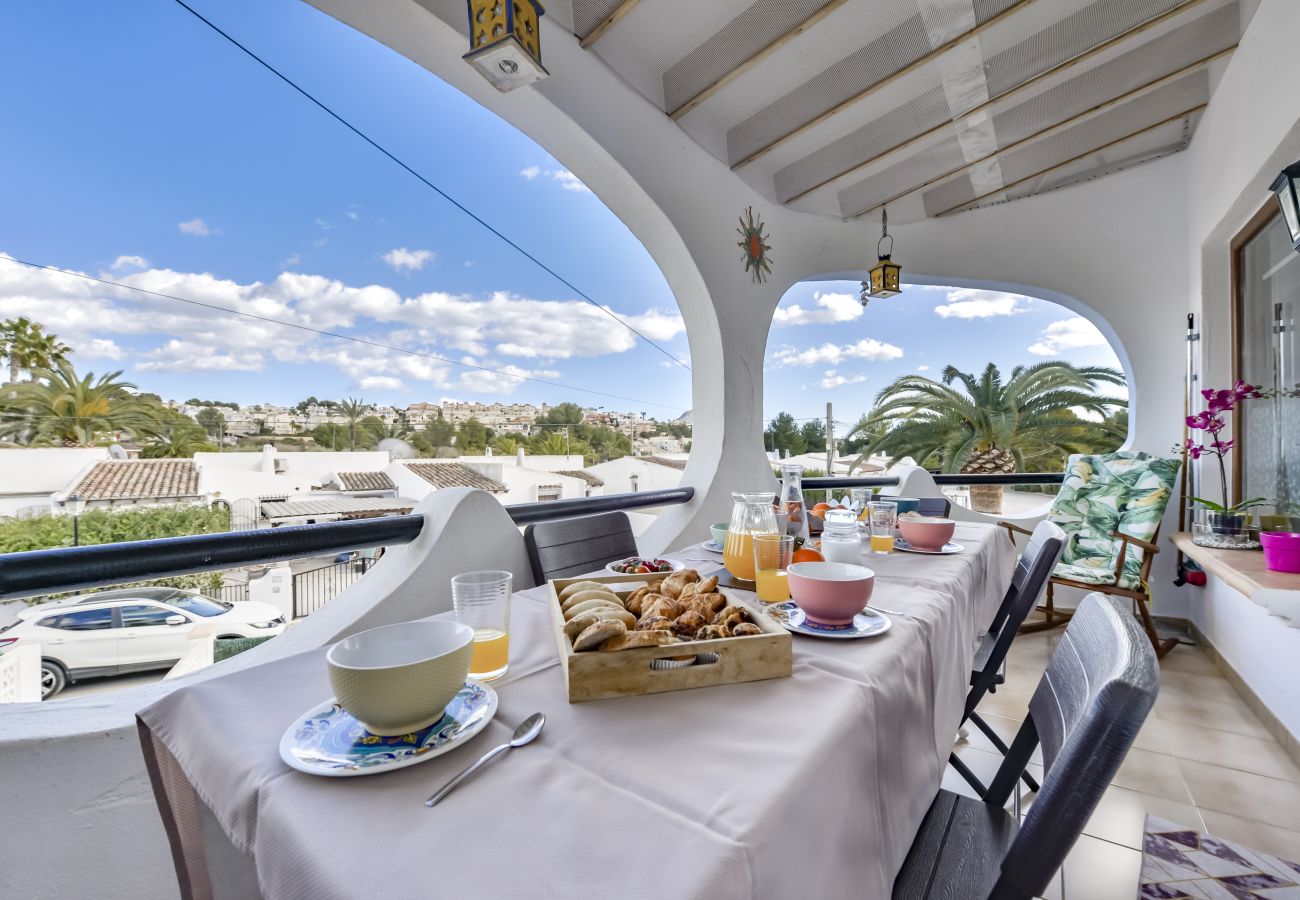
(867,623)
(677,565)
(326,740)
(948,548)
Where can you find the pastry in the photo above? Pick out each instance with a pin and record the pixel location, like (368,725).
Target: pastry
(580,586)
(707,605)
(664,607)
(580,596)
(638,639)
(580,622)
(655,623)
(673,584)
(730,615)
(595,635)
(688,623)
(745,628)
(633,601)
(710,632)
(591,604)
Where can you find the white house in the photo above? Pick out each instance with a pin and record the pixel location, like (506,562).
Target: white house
(279,474)
(630,474)
(29,477)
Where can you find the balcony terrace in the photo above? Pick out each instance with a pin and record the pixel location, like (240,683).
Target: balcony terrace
(1112,157)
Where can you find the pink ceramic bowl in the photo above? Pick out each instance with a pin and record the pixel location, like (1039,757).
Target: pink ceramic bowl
(831,593)
(1281,550)
(926,534)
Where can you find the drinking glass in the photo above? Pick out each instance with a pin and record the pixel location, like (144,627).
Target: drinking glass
(859,497)
(883,516)
(793,511)
(772,553)
(482,601)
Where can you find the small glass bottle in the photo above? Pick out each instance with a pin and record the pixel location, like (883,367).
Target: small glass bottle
(792,514)
(841,541)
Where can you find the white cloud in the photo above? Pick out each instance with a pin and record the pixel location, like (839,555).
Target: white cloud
(1067,334)
(561,176)
(469,263)
(410,260)
(832,379)
(832,308)
(972,303)
(380,383)
(499,330)
(129,262)
(196,227)
(100,348)
(923,368)
(351,214)
(833,354)
(290,261)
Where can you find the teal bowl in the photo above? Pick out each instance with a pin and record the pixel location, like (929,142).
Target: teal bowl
(719,532)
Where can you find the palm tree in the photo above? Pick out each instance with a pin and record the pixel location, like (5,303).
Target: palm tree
(177,439)
(987,425)
(27,347)
(57,407)
(354,410)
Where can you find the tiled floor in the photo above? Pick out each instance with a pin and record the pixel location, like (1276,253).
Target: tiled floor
(1203,759)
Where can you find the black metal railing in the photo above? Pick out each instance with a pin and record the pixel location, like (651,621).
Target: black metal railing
(316,587)
(64,569)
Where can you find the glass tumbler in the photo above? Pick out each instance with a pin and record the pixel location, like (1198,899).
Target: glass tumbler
(859,497)
(482,601)
(772,554)
(883,518)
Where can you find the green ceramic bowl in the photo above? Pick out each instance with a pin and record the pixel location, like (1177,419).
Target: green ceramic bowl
(719,532)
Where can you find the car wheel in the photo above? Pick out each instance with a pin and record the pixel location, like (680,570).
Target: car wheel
(53,678)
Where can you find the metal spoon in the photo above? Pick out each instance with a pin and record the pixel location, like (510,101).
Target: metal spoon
(528,729)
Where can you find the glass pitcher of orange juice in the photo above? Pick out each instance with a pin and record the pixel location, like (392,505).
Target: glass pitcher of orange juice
(752,514)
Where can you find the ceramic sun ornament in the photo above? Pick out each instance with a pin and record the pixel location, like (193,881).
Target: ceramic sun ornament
(755,250)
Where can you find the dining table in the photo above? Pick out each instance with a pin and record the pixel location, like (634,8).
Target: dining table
(808,786)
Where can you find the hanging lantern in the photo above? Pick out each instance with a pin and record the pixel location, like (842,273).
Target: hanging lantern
(1284,187)
(505,41)
(885,274)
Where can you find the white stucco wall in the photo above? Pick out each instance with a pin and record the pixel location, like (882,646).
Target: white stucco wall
(251,474)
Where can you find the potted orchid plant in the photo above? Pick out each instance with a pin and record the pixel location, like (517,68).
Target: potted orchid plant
(1228,523)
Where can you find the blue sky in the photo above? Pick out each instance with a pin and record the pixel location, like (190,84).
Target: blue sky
(139,146)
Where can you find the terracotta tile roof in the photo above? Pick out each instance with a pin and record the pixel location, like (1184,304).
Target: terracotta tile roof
(448,474)
(327,506)
(670,463)
(585,476)
(140,479)
(365,481)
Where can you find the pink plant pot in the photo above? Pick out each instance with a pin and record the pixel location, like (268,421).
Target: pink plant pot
(1281,550)
(927,534)
(831,593)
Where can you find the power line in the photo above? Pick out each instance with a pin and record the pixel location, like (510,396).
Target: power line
(332,334)
(454,202)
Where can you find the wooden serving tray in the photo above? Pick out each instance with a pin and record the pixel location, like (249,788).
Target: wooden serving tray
(599,675)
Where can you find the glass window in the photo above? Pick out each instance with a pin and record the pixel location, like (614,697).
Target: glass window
(199,606)
(1268,353)
(81,620)
(136,616)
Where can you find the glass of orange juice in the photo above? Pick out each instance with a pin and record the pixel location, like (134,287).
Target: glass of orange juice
(883,518)
(482,601)
(772,554)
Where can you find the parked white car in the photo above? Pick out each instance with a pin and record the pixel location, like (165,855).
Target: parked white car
(129,630)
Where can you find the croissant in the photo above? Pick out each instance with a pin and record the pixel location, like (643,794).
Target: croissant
(710,632)
(731,615)
(664,607)
(745,628)
(634,599)
(655,623)
(707,605)
(688,623)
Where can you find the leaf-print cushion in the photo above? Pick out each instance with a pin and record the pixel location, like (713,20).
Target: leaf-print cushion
(1124,492)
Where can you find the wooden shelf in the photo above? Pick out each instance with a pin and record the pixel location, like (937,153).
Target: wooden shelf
(1242,570)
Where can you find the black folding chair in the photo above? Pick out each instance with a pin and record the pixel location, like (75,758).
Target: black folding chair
(1042,552)
(1096,693)
(935,507)
(568,547)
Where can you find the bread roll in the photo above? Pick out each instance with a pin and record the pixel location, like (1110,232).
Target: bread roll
(591,604)
(595,635)
(580,586)
(638,639)
(593,594)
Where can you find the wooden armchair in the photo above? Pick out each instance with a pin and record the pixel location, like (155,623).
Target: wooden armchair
(1110,509)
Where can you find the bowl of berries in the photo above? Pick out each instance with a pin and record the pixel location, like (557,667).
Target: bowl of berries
(637,565)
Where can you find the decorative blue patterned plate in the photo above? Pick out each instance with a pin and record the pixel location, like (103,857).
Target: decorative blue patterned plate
(713,546)
(948,548)
(326,740)
(867,623)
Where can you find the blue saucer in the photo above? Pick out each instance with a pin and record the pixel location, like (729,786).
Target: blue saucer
(867,623)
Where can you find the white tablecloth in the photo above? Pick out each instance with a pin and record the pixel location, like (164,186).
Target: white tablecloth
(806,786)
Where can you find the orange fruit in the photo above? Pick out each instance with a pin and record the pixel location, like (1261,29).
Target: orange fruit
(820,509)
(807,554)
